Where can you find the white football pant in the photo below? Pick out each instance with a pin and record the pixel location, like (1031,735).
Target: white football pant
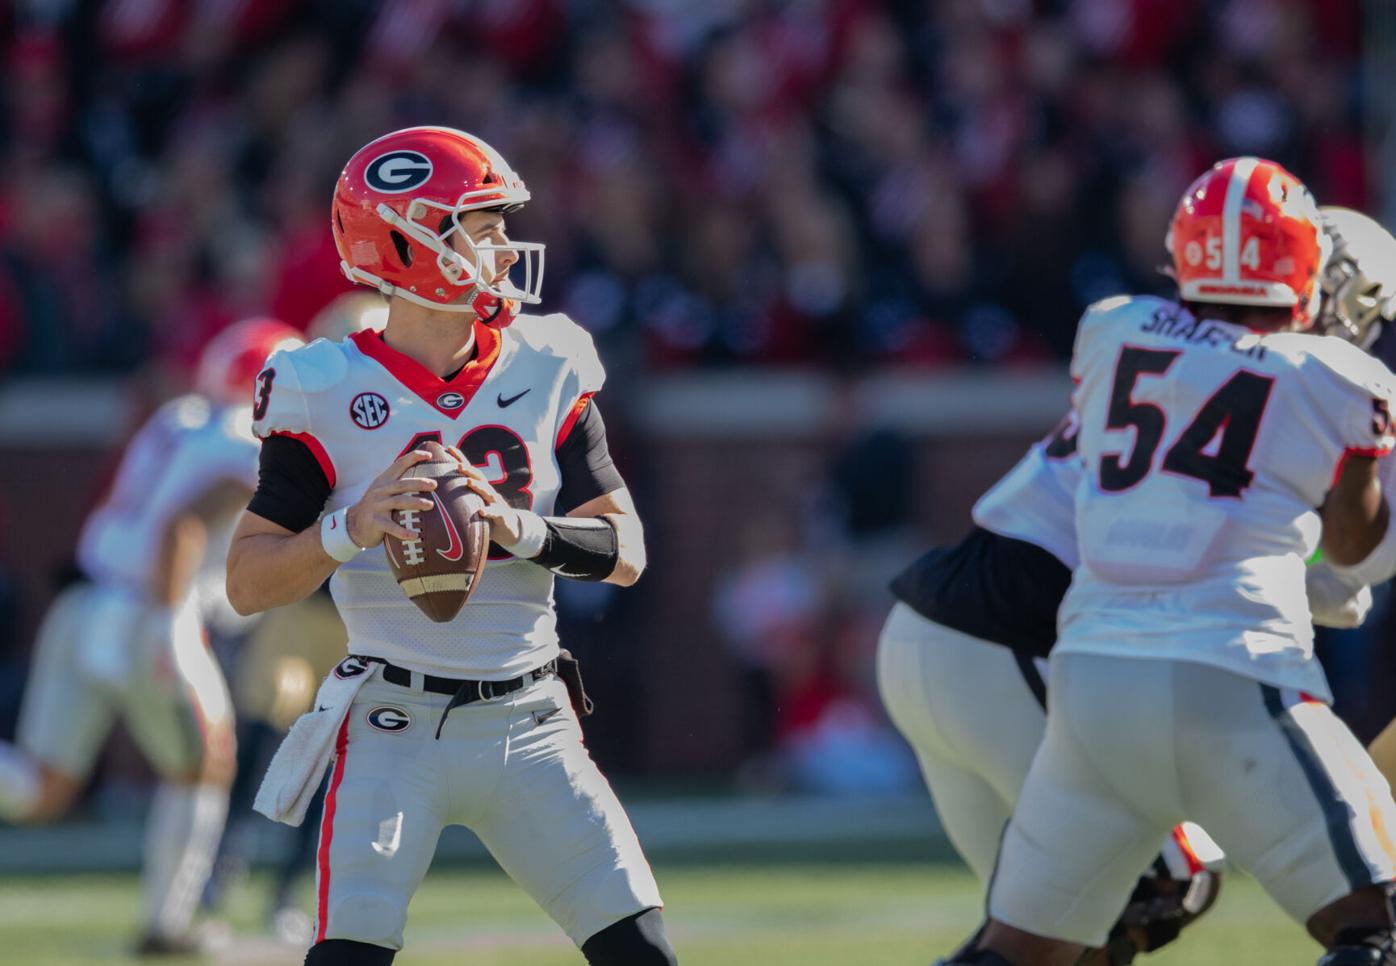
(101,654)
(513,770)
(1135,745)
(97,657)
(974,714)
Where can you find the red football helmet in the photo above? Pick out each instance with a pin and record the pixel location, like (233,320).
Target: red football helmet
(229,364)
(1249,233)
(397,203)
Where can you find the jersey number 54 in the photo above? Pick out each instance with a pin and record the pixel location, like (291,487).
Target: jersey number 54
(1234,411)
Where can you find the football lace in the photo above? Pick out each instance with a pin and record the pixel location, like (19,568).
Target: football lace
(411,549)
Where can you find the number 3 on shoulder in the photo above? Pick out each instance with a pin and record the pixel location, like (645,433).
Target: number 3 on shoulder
(261,397)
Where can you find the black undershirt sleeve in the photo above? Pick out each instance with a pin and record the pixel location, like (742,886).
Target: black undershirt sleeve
(585,463)
(291,486)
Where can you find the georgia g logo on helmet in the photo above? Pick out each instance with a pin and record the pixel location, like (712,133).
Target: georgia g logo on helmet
(397,171)
(396,213)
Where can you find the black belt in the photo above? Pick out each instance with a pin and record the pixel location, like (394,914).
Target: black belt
(461,690)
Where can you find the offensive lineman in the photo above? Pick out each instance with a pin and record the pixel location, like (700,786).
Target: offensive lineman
(130,642)
(465,722)
(961,655)
(1183,680)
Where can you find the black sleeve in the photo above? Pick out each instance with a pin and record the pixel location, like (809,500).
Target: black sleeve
(584,461)
(291,486)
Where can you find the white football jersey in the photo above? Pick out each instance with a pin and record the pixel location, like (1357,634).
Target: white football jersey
(1036,500)
(185,449)
(358,404)
(1206,449)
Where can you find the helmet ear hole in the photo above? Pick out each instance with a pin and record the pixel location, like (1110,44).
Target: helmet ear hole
(404,251)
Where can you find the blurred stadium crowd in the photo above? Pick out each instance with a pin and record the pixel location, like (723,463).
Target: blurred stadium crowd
(727,182)
(830,183)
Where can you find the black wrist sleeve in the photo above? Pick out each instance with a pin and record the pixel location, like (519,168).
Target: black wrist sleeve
(584,462)
(583,548)
(291,486)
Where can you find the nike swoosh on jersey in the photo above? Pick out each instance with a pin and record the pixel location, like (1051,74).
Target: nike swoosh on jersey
(504,403)
(539,717)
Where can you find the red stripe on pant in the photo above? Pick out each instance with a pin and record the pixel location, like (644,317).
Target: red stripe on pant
(1194,863)
(322,907)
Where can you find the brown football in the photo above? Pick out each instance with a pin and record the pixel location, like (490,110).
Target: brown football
(440,570)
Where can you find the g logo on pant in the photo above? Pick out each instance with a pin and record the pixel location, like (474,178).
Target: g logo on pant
(350,667)
(387,718)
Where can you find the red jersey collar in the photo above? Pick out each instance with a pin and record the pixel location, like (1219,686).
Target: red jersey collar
(432,389)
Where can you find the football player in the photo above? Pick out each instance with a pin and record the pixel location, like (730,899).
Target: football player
(962,655)
(1362,276)
(128,642)
(464,722)
(1183,679)
(277,671)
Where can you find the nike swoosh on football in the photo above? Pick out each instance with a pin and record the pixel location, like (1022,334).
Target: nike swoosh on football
(503,403)
(456,550)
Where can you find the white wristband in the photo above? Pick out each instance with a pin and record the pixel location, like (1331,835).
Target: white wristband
(533,533)
(1380,564)
(334,536)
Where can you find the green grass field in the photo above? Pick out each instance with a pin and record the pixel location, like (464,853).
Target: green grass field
(777,914)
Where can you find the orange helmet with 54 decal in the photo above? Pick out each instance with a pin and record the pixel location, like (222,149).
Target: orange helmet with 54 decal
(1249,233)
(397,206)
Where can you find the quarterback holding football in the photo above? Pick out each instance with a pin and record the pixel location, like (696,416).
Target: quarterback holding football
(445,714)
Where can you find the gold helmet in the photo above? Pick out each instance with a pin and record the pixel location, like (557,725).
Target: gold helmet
(347,314)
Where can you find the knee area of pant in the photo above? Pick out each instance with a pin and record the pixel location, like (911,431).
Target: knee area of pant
(218,756)
(369,918)
(348,952)
(57,792)
(218,771)
(637,940)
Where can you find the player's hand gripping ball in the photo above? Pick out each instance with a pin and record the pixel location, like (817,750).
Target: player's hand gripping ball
(441,568)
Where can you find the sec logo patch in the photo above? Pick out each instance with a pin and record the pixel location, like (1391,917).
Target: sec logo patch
(450,400)
(368,410)
(389,719)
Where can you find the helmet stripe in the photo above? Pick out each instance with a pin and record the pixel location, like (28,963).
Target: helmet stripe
(1231,217)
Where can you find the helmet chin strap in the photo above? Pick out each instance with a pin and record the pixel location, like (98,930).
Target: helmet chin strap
(496,312)
(489,308)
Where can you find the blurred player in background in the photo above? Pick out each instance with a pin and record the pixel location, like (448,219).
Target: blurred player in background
(1360,295)
(962,656)
(464,722)
(276,673)
(349,313)
(129,641)
(1183,680)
